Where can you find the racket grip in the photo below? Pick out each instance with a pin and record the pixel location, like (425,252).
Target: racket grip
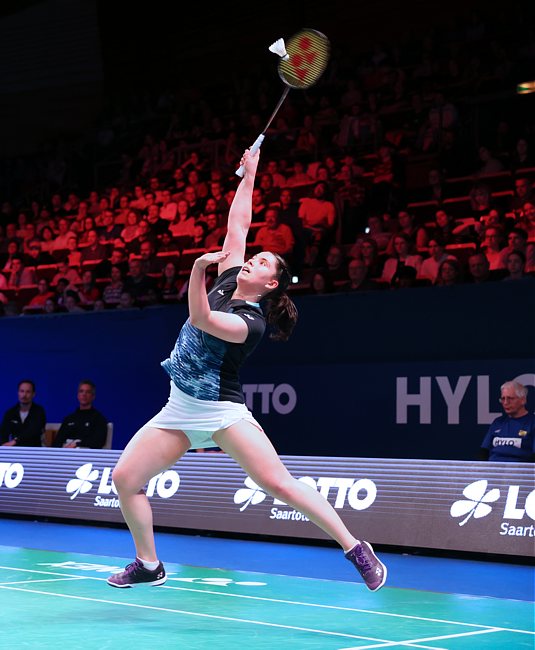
(252,149)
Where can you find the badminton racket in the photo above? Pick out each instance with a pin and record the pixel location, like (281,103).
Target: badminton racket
(304,58)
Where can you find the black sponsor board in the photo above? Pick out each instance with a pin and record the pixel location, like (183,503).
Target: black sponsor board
(452,505)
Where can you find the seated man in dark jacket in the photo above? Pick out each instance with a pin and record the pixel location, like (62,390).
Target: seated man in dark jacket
(23,424)
(85,427)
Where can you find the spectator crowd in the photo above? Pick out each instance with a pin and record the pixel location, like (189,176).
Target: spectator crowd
(374,179)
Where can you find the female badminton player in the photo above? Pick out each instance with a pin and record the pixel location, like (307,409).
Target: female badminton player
(206,406)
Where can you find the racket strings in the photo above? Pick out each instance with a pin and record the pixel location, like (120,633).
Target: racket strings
(308,56)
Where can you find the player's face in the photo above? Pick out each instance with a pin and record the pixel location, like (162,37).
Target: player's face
(260,272)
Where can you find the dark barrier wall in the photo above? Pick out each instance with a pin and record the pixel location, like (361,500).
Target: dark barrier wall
(404,374)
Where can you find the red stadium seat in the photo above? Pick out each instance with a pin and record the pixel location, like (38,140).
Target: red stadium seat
(46,271)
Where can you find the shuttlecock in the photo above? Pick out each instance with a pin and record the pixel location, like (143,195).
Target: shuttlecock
(279,48)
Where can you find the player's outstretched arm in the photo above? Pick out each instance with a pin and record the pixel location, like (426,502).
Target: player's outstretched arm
(240,214)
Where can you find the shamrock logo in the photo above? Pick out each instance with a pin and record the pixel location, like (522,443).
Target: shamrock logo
(82,483)
(477,501)
(253,494)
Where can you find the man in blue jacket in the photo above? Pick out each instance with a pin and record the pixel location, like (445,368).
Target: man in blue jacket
(511,437)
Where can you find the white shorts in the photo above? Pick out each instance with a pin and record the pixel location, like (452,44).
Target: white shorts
(199,419)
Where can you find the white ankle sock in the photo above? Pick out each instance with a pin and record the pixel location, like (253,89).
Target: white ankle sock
(149,565)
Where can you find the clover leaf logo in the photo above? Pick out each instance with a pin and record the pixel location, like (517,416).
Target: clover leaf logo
(477,501)
(82,483)
(253,494)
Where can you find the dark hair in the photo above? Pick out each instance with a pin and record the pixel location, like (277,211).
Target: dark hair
(519,254)
(404,276)
(91,272)
(89,383)
(118,267)
(478,253)
(72,294)
(370,240)
(203,225)
(323,273)
(515,231)
(281,311)
(266,175)
(439,239)
(275,209)
(27,381)
(163,276)
(406,239)
(326,190)
(456,266)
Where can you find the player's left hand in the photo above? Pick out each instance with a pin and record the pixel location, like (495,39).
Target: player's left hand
(211,258)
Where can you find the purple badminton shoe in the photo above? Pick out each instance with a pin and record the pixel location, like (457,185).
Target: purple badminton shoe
(136,574)
(372,570)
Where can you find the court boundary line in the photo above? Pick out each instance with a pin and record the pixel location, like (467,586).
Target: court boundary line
(275,600)
(378,643)
(32,582)
(352,609)
(200,614)
(417,642)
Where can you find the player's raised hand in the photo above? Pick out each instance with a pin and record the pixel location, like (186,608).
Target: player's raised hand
(207,259)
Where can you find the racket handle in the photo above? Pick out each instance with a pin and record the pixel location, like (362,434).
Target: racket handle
(252,149)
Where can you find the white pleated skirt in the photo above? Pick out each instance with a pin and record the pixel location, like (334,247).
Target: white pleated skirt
(199,419)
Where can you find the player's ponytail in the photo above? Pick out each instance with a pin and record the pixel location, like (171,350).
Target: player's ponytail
(280,309)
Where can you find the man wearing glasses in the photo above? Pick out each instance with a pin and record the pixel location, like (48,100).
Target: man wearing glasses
(511,437)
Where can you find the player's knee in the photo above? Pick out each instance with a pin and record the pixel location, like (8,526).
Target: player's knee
(124,481)
(118,477)
(280,488)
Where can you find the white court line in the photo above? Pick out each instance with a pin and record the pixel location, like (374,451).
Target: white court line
(348,609)
(50,573)
(32,582)
(415,643)
(390,644)
(199,614)
(492,630)
(292,602)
